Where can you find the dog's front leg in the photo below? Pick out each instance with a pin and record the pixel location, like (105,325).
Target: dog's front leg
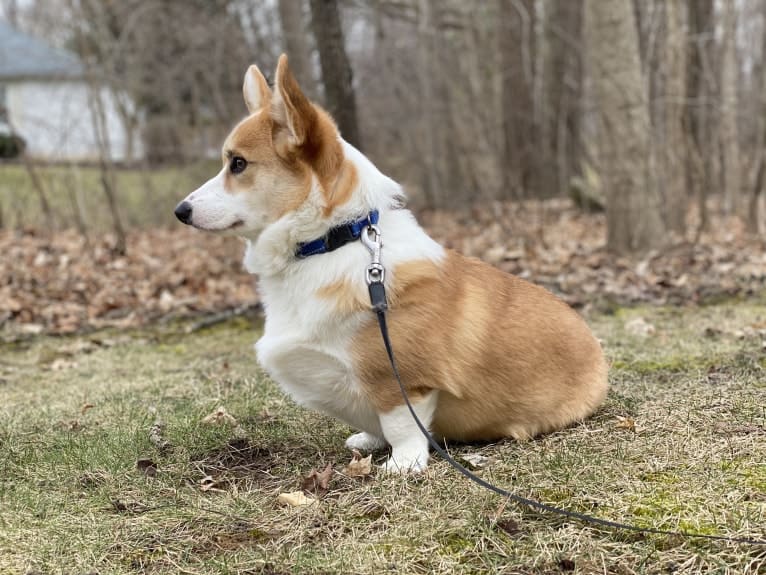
(364,441)
(409,447)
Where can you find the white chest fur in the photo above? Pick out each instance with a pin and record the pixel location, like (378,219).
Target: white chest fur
(306,343)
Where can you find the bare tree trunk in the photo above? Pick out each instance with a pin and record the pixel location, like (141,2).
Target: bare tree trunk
(11,12)
(105,164)
(295,34)
(753,211)
(670,161)
(729,137)
(699,92)
(517,52)
(39,188)
(337,75)
(634,222)
(72,184)
(563,92)
(427,70)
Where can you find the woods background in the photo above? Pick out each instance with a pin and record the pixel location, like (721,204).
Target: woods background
(546,136)
(645,107)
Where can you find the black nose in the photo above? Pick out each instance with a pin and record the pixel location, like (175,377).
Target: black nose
(183,212)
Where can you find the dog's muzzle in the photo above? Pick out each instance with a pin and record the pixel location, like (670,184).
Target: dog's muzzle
(183,212)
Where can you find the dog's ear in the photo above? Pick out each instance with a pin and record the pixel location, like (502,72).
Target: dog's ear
(291,109)
(256,90)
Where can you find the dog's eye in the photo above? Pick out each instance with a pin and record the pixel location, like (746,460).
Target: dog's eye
(237,165)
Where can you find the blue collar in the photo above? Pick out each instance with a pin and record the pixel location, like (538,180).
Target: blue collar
(336,237)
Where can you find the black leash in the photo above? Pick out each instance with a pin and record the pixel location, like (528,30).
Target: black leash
(375,276)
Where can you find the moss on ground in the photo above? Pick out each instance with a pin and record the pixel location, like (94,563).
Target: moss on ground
(679,443)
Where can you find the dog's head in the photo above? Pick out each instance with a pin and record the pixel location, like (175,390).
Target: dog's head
(272,160)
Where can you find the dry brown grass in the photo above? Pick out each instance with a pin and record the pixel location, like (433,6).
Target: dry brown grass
(73,500)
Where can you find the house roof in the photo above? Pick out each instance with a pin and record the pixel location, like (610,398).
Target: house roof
(24,56)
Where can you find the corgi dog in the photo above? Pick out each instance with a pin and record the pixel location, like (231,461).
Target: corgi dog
(484,355)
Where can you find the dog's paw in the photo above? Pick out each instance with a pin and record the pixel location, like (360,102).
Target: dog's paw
(365,442)
(405,464)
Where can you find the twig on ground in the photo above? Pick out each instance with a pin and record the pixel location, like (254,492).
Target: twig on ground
(221,317)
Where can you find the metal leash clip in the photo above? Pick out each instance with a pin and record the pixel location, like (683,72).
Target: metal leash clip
(375,273)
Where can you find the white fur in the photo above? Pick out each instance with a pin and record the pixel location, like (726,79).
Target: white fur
(305,345)
(409,447)
(215,210)
(364,441)
(251,90)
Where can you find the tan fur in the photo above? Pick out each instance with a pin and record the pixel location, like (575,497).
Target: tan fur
(287,140)
(251,139)
(348,296)
(316,139)
(345,184)
(509,358)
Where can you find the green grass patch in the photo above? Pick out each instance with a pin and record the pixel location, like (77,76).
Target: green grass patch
(75,193)
(78,413)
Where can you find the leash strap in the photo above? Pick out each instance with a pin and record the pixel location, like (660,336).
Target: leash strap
(379,306)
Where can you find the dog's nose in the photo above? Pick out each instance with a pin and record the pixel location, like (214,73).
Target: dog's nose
(184,211)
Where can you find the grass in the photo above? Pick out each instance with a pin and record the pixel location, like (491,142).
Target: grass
(76,415)
(75,191)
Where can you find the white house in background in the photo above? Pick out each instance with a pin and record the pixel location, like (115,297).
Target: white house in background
(45,99)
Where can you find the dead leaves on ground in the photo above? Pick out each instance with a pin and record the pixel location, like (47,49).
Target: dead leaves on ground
(627,423)
(358,466)
(563,249)
(639,327)
(318,482)
(220,417)
(60,284)
(296,499)
(476,460)
(146,467)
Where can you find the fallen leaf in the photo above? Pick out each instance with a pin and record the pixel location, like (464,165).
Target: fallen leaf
(296,499)
(147,467)
(510,526)
(476,460)
(32,328)
(61,364)
(129,507)
(220,417)
(156,437)
(358,466)
(85,407)
(640,327)
(318,482)
(79,346)
(625,423)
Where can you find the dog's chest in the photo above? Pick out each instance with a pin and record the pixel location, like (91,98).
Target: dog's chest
(306,352)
